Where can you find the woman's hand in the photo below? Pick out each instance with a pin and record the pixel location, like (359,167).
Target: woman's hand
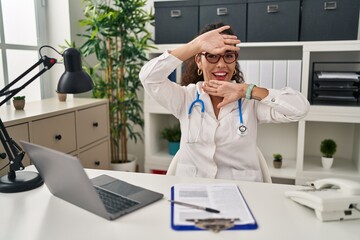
(212,42)
(228,90)
(215,42)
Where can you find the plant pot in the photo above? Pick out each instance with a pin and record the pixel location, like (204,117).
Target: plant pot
(173,147)
(129,166)
(62,97)
(327,162)
(19,104)
(277,164)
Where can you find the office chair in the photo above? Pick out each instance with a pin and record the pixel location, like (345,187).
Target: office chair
(263,166)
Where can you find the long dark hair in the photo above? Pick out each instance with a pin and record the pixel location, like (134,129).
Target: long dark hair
(189,73)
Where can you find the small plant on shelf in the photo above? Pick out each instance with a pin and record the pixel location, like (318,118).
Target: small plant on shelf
(19,102)
(172,135)
(277,162)
(328,149)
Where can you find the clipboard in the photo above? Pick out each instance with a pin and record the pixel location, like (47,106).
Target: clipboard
(212,223)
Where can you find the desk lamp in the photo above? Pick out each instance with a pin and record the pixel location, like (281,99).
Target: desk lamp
(73,80)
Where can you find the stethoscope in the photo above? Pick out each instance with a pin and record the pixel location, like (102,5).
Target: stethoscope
(242,129)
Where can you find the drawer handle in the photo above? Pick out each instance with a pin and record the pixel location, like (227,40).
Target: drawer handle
(330,5)
(175,13)
(95,124)
(221,11)
(58,137)
(97,163)
(273,8)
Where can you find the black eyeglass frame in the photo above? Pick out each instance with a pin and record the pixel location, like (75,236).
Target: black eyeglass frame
(205,54)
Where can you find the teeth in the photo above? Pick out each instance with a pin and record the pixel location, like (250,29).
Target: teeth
(219,74)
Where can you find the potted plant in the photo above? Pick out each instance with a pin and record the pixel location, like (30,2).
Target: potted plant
(277,162)
(116,33)
(173,136)
(328,149)
(19,102)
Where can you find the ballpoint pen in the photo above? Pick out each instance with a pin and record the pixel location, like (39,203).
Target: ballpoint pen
(195,206)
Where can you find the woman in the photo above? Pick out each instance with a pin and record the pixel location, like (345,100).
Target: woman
(217,110)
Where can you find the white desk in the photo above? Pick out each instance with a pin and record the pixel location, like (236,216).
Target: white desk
(37,215)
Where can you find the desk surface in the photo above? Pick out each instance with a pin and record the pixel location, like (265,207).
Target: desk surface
(37,215)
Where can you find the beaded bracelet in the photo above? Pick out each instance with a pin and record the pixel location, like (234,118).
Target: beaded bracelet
(249,91)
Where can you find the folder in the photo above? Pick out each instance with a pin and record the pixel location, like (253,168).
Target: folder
(226,198)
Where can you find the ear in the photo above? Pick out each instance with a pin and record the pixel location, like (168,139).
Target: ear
(198,61)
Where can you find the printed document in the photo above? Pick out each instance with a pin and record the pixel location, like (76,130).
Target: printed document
(223,197)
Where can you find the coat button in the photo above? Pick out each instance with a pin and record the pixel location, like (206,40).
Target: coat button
(273,100)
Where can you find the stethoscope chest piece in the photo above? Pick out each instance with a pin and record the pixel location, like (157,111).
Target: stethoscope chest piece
(242,130)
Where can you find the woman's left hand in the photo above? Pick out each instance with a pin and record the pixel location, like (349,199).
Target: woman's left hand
(228,90)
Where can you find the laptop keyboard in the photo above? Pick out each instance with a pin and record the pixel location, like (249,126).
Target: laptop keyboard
(114,203)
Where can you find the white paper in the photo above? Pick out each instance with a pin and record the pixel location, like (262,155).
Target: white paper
(338,75)
(223,197)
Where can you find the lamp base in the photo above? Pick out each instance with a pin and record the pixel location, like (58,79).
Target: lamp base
(24,181)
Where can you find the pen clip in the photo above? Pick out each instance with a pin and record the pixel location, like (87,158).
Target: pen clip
(214,224)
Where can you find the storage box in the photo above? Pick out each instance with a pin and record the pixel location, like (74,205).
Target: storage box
(329,20)
(271,21)
(176,21)
(231,12)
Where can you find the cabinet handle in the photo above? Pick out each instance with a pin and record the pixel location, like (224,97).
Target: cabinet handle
(95,124)
(330,5)
(97,163)
(58,137)
(273,8)
(175,13)
(221,11)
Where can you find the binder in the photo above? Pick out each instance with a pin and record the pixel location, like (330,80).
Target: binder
(238,224)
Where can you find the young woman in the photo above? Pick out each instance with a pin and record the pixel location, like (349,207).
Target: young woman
(217,110)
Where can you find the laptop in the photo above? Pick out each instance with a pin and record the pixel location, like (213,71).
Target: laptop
(104,195)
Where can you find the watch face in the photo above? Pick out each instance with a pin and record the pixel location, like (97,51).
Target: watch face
(242,130)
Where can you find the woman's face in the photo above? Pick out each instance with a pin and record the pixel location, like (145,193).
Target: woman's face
(217,67)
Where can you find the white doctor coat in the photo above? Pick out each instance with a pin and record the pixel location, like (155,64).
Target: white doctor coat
(219,152)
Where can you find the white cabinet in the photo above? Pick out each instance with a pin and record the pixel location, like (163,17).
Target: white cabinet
(78,126)
(299,142)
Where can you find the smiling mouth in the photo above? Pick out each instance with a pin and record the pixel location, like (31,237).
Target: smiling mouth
(220,76)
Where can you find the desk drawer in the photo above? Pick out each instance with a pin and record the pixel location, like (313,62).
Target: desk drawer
(55,132)
(96,157)
(92,124)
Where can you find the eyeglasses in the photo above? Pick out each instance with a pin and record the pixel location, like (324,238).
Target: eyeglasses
(228,57)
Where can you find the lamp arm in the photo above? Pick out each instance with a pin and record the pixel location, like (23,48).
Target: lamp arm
(12,149)
(48,63)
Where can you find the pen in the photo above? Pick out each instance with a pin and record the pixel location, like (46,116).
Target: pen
(195,206)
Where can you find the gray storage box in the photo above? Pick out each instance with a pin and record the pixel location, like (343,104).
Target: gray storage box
(271,21)
(329,20)
(176,21)
(231,12)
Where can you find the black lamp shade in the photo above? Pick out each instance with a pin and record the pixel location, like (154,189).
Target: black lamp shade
(74,79)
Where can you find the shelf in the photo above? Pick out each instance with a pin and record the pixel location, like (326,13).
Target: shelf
(340,167)
(346,114)
(298,142)
(287,170)
(314,46)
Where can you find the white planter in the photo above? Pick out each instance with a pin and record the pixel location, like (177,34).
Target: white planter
(126,167)
(327,162)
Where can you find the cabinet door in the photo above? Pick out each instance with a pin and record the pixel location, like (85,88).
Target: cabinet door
(55,132)
(96,157)
(17,132)
(92,124)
